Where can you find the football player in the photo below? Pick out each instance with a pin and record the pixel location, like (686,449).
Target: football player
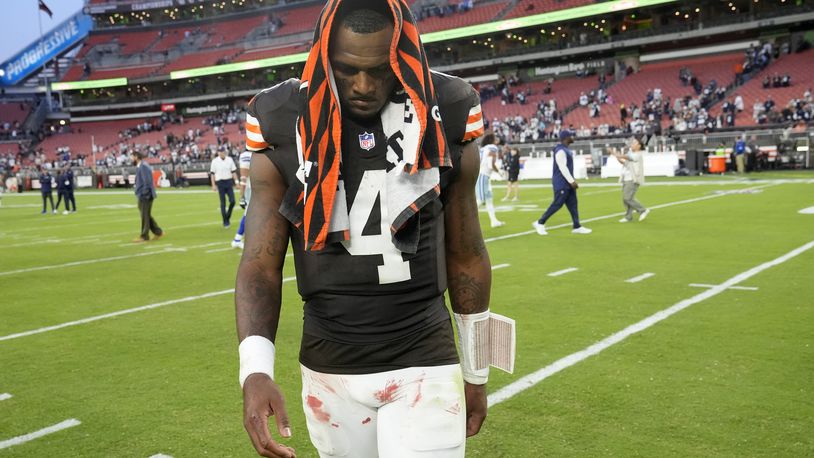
(244,164)
(367,164)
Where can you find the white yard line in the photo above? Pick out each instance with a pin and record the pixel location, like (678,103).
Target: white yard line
(742,288)
(563,272)
(87,261)
(218,250)
(500,266)
(79,242)
(528,381)
(161,455)
(123,312)
(112,234)
(37,434)
(4,396)
(616,215)
(641,277)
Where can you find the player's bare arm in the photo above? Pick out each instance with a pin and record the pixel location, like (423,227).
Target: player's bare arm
(468,268)
(258,303)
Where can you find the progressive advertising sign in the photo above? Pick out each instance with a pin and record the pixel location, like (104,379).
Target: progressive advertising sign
(41,51)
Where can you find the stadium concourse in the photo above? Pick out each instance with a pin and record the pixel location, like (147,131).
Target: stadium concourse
(699,83)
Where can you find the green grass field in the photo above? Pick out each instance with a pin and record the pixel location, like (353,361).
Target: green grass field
(732,374)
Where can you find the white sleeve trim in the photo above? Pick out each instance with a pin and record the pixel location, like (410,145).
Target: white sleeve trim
(562,163)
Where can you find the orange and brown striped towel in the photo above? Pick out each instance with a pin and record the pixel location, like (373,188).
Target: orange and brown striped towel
(414,182)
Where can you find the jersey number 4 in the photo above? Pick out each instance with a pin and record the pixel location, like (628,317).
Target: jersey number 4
(394,269)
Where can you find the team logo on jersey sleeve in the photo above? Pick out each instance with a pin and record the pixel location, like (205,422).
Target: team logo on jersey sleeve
(367,141)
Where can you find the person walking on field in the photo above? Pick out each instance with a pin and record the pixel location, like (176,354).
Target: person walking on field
(145,192)
(631,178)
(367,166)
(488,160)
(513,167)
(222,172)
(565,187)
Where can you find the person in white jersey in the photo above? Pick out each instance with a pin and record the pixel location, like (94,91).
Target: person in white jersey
(244,163)
(488,157)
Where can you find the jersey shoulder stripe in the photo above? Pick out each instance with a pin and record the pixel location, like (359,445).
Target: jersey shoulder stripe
(460,108)
(272,115)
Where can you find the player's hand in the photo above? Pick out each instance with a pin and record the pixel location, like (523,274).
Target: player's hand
(214,188)
(243,203)
(475,407)
(263,398)
(574,185)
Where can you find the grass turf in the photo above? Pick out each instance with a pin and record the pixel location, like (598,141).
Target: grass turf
(729,376)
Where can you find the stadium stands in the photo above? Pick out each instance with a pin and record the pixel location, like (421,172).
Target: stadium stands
(12,112)
(107,136)
(531,7)
(170,39)
(565,91)
(134,42)
(661,75)
(801,69)
(202,59)
(229,32)
(481,13)
(299,20)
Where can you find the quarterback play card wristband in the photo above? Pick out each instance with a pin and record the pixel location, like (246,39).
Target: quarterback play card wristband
(485,339)
(256,357)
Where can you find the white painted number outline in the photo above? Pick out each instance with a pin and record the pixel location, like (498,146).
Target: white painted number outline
(394,269)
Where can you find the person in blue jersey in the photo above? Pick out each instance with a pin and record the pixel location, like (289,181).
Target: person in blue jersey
(46,186)
(145,192)
(565,186)
(244,163)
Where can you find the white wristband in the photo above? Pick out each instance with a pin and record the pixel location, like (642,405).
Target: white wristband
(256,357)
(473,337)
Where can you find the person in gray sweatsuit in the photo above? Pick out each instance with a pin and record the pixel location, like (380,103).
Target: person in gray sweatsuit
(145,192)
(632,177)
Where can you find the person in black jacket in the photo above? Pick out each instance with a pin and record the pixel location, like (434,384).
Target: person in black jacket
(45,188)
(67,179)
(145,192)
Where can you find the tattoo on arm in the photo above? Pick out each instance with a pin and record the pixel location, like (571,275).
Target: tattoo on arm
(466,292)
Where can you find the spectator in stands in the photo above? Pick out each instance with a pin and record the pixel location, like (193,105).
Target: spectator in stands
(46,180)
(786,81)
(565,186)
(223,178)
(769,104)
(145,193)
(631,178)
(766,82)
(739,105)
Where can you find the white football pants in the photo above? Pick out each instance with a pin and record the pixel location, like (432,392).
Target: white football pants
(413,412)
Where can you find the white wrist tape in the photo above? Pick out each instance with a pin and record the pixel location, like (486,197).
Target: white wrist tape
(473,337)
(256,357)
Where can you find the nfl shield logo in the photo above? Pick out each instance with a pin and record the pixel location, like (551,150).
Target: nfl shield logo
(367,141)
